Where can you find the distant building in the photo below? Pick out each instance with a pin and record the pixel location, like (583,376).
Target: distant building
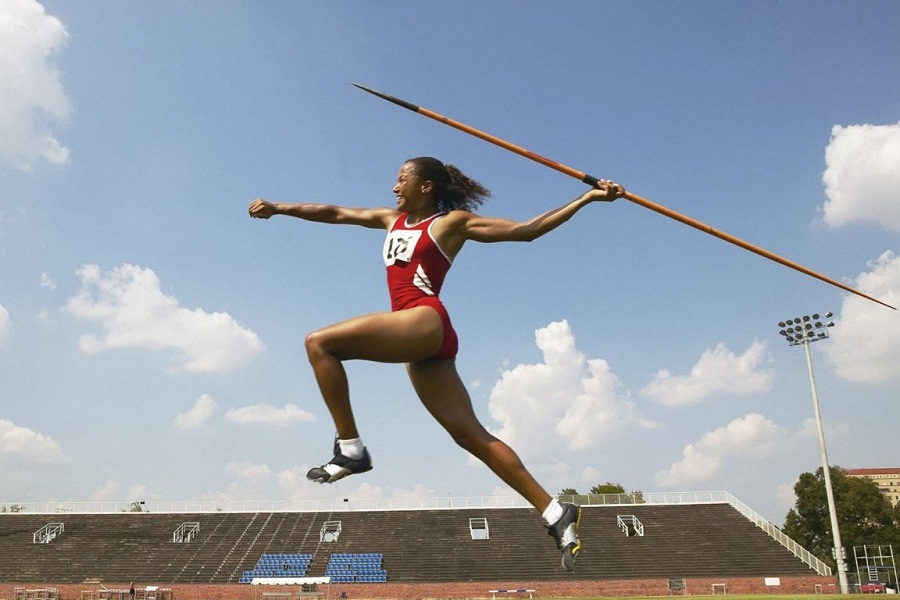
(887,480)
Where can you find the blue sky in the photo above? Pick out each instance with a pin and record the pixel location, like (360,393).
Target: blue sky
(151,333)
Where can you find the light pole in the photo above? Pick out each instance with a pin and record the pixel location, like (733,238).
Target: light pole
(804,331)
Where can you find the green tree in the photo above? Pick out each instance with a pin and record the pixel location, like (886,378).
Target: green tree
(864,515)
(624,497)
(572,495)
(613,493)
(608,488)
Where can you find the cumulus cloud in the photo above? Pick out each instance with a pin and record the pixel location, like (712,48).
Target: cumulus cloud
(862,178)
(204,407)
(31,97)
(865,342)
(22,445)
(266,414)
(752,436)
(719,371)
(5,327)
(568,399)
(132,312)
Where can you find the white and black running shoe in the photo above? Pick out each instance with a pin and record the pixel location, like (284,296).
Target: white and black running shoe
(340,466)
(565,532)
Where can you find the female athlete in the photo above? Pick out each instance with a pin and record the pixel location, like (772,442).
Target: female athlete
(432,220)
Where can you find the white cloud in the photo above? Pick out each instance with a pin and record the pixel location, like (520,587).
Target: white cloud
(109,492)
(862,178)
(590,475)
(808,428)
(137,493)
(5,327)
(567,399)
(106,492)
(292,484)
(249,471)
(204,407)
(47,282)
(865,341)
(31,96)
(250,480)
(132,312)
(23,445)
(717,371)
(751,436)
(267,414)
(786,499)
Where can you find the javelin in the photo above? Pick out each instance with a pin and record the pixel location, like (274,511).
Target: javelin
(591,180)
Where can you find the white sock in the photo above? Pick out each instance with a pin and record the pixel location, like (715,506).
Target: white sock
(553,512)
(351,448)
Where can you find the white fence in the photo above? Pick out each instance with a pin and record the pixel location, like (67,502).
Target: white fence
(434,503)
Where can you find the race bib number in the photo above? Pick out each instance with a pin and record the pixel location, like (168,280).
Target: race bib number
(399,245)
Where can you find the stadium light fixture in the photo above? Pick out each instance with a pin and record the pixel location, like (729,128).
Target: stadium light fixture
(804,331)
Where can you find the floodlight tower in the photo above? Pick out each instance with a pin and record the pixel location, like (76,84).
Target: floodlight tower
(804,331)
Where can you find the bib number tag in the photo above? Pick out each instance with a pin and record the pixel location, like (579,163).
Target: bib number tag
(399,245)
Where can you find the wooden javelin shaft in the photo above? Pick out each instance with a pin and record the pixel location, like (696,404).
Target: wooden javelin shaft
(591,180)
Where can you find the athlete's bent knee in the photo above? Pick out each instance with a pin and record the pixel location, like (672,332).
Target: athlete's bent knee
(315,345)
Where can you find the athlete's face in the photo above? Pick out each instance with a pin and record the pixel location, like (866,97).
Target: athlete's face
(411,190)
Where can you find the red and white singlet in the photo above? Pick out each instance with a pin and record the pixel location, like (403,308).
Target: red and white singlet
(416,268)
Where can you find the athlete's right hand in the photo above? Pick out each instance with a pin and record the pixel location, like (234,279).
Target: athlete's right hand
(606,191)
(262,209)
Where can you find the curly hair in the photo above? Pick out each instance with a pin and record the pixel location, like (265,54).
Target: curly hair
(452,188)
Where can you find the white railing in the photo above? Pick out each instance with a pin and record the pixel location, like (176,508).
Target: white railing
(333,505)
(186,532)
(796,549)
(629,523)
(48,533)
(263,506)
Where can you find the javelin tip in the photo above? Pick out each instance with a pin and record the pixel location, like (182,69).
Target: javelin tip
(396,101)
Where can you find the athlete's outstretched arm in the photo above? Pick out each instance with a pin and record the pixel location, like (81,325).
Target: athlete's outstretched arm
(375,218)
(489,229)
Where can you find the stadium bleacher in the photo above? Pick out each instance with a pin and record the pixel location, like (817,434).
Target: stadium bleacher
(684,540)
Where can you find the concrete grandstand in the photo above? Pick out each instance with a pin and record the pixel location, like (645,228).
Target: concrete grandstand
(698,543)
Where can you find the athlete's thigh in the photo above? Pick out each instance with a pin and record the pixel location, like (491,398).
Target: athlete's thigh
(401,336)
